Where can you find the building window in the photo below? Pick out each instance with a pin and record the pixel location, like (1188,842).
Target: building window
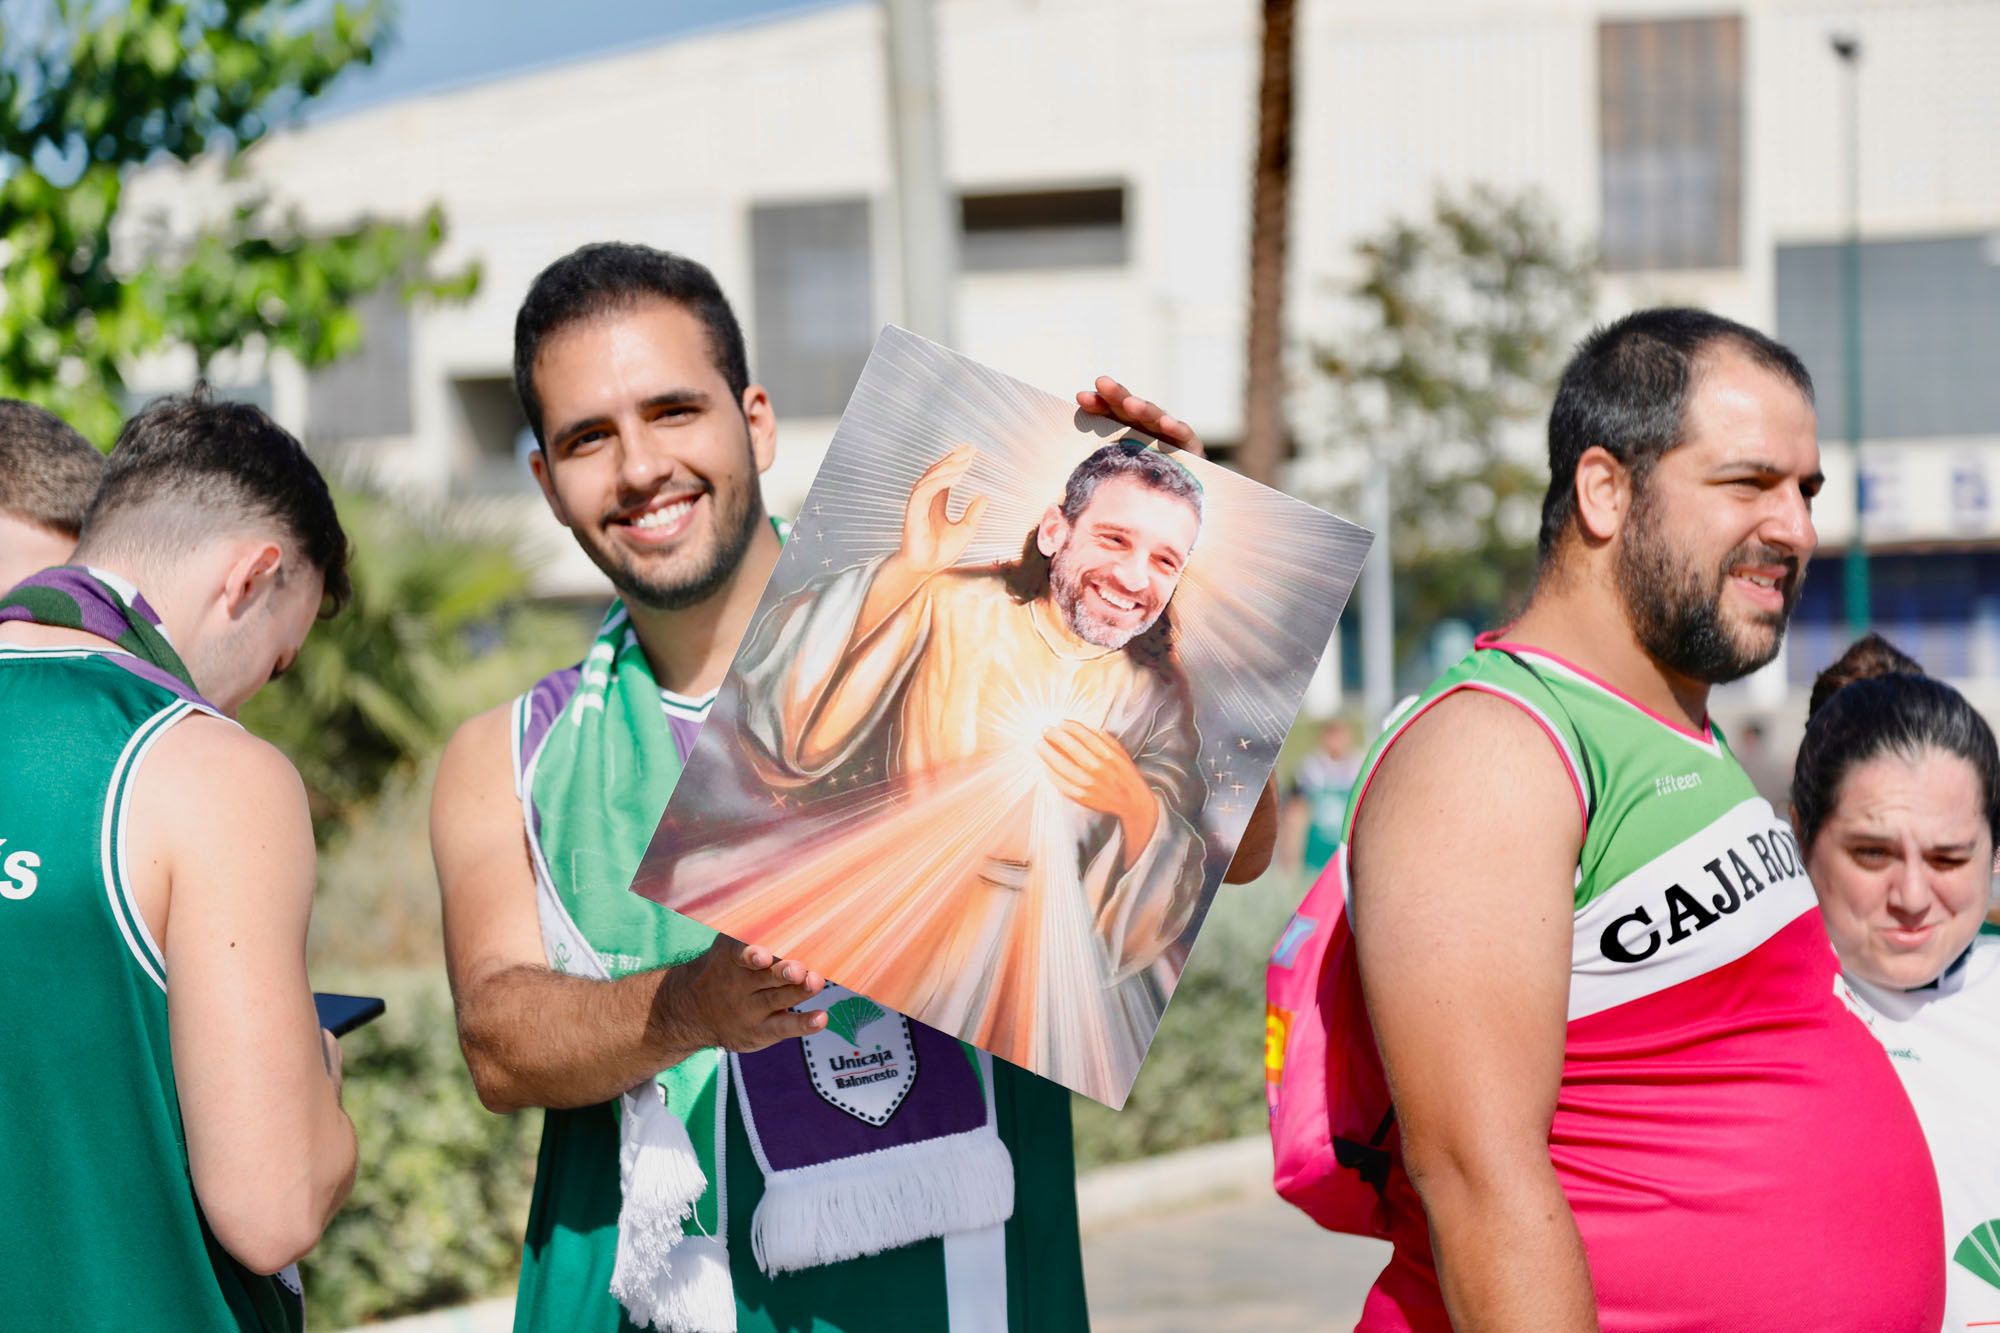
(1670,122)
(365,395)
(1939,607)
(1075,228)
(1930,319)
(814,285)
(496,441)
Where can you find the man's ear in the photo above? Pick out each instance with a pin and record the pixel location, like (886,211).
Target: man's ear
(538,463)
(1603,494)
(1052,533)
(762,419)
(253,572)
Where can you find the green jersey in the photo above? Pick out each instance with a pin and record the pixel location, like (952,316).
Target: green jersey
(94,1176)
(1025,1276)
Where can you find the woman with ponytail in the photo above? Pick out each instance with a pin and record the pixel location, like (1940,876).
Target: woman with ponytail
(1896,802)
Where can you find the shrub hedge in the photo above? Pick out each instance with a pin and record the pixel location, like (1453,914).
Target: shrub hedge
(441,1198)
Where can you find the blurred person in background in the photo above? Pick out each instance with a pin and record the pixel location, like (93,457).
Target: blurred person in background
(1896,800)
(48,473)
(1769,773)
(1590,956)
(170,1111)
(1316,802)
(670,1188)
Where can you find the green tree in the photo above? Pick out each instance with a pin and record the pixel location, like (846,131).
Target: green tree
(1452,334)
(90,92)
(437,629)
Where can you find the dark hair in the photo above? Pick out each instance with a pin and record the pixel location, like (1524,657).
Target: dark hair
(1627,389)
(189,461)
(1028,578)
(1128,458)
(615,276)
(48,472)
(1873,701)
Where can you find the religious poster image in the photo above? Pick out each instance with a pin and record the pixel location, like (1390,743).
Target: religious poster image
(1000,719)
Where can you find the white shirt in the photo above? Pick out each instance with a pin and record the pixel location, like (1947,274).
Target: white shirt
(1944,1042)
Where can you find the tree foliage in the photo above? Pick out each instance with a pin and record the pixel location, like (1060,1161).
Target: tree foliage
(1449,341)
(89,92)
(435,631)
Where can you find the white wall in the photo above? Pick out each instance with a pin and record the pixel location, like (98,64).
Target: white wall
(672,144)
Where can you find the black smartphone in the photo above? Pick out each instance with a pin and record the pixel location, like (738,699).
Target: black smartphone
(341,1014)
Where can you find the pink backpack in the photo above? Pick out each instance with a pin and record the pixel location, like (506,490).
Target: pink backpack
(1332,1125)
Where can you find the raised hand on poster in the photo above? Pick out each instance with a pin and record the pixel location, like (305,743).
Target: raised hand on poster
(932,540)
(1112,399)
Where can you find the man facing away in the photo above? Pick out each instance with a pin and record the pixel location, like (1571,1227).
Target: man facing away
(171,1106)
(1037,708)
(1626,1095)
(644,1034)
(47,475)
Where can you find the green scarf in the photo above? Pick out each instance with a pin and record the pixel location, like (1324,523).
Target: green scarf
(601,770)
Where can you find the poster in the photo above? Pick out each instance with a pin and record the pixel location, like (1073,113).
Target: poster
(1002,715)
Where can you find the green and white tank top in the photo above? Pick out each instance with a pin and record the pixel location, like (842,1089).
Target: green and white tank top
(104,1228)
(1031,1281)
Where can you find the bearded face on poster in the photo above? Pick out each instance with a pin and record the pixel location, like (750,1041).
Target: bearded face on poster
(971,789)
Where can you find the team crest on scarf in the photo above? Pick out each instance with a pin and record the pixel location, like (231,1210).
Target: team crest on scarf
(863,1061)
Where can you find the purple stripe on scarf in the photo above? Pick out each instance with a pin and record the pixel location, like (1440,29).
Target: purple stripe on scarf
(146,611)
(76,584)
(546,700)
(146,671)
(799,1128)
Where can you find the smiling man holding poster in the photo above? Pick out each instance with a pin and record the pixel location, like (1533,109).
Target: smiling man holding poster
(673,1190)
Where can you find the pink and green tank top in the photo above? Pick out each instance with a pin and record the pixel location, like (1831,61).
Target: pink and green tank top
(1736,1149)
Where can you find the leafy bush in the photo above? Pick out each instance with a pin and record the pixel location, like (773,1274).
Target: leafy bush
(377,903)
(436,631)
(1204,1078)
(441,1198)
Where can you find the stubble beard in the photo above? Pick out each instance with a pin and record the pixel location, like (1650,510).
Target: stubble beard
(738,511)
(1676,611)
(1066,589)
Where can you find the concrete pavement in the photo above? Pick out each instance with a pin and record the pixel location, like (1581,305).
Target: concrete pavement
(1249,1263)
(1196,1240)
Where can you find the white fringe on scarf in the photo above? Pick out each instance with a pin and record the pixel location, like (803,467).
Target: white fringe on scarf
(663,1277)
(863,1205)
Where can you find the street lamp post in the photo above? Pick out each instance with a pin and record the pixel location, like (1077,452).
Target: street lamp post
(1847,48)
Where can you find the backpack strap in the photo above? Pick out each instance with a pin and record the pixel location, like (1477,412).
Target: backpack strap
(1370,1160)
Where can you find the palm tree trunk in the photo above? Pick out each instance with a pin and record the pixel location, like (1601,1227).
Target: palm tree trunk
(1264,434)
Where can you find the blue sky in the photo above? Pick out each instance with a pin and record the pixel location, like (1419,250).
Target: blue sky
(446,43)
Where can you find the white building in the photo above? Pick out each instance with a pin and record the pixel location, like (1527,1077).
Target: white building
(1101,150)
